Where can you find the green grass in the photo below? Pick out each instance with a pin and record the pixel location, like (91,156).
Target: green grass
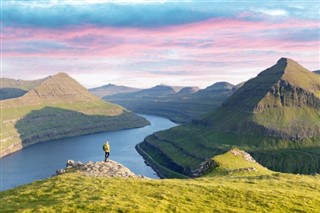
(30,124)
(77,193)
(188,146)
(236,165)
(227,187)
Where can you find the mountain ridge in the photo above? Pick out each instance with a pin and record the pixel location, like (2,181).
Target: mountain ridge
(179,104)
(112,89)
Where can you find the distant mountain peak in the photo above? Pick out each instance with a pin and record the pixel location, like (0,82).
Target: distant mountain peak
(112,89)
(222,85)
(162,84)
(61,74)
(286,61)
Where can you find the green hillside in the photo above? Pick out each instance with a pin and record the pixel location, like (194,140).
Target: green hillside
(179,104)
(232,186)
(59,107)
(275,117)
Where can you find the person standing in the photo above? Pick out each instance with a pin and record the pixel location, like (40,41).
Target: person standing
(106,149)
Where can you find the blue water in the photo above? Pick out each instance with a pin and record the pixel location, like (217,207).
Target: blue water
(41,160)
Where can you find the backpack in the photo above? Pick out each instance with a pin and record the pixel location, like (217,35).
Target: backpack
(105,147)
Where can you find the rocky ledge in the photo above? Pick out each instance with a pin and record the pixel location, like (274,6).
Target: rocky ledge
(99,169)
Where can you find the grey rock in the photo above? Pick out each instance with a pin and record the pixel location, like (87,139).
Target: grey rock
(60,171)
(70,163)
(100,169)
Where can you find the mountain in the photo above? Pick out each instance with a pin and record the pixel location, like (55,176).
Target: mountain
(158,91)
(11,88)
(317,71)
(111,89)
(234,182)
(220,86)
(188,90)
(279,101)
(274,116)
(59,107)
(179,104)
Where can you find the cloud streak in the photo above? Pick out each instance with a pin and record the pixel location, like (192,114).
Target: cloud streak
(127,15)
(162,42)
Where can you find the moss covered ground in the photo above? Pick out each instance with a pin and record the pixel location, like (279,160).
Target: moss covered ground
(76,193)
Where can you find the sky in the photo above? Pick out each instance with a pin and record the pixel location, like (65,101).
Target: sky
(146,43)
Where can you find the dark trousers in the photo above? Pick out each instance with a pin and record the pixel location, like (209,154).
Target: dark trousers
(106,156)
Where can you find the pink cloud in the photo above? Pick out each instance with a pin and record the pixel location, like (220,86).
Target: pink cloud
(204,47)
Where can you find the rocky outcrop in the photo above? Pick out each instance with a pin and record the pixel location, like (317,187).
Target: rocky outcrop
(204,167)
(243,154)
(99,169)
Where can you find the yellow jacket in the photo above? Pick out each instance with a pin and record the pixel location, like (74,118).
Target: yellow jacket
(106,147)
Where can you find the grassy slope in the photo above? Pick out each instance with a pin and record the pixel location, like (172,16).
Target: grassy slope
(185,147)
(224,189)
(76,119)
(233,163)
(75,114)
(71,111)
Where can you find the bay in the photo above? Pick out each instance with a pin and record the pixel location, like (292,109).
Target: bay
(41,160)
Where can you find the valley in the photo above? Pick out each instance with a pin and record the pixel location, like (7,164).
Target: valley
(179,104)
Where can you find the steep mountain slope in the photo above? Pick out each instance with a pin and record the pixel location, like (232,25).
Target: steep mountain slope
(235,183)
(11,88)
(275,117)
(111,89)
(59,107)
(180,104)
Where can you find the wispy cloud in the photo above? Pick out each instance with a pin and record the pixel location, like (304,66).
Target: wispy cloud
(273,12)
(194,43)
